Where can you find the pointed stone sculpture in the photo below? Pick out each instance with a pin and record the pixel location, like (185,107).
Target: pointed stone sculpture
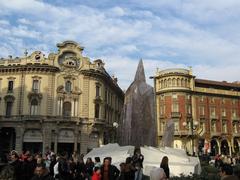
(138,126)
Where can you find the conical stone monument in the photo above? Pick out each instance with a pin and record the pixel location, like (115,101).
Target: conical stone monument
(138,126)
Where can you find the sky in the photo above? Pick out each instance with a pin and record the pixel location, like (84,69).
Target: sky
(164,33)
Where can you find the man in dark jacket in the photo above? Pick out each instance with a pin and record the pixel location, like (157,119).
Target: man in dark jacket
(41,173)
(108,171)
(28,167)
(17,165)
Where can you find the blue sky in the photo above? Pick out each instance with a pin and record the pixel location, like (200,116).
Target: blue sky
(164,33)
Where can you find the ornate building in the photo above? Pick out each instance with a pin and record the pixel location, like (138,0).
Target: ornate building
(205,113)
(63,101)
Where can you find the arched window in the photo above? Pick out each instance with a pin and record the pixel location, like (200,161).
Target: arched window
(174,82)
(67,109)
(35,86)
(97,109)
(68,86)
(34,107)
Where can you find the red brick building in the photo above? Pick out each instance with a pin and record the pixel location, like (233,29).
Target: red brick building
(205,113)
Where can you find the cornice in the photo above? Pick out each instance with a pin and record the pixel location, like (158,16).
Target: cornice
(104,76)
(28,68)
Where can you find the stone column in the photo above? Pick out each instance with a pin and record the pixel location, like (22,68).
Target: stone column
(76,134)
(72,108)
(19,139)
(76,107)
(55,141)
(46,138)
(61,106)
(58,107)
(84,139)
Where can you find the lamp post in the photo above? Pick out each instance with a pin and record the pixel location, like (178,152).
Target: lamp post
(193,127)
(115,126)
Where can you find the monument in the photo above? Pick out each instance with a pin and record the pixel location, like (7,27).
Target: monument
(138,125)
(168,136)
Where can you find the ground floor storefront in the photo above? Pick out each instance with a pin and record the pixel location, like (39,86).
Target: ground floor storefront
(67,136)
(213,146)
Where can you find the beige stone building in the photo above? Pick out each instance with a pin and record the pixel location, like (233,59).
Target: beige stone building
(205,113)
(64,101)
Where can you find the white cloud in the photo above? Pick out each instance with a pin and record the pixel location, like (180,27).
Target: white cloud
(167,33)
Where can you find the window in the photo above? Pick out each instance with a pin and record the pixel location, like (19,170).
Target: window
(235,130)
(162,110)
(234,101)
(106,95)
(10,86)
(224,112)
(213,126)
(68,86)
(35,86)
(224,127)
(234,113)
(212,100)
(176,126)
(97,91)
(189,109)
(174,96)
(163,126)
(201,110)
(67,109)
(97,109)
(34,107)
(175,107)
(213,111)
(9,105)
(223,101)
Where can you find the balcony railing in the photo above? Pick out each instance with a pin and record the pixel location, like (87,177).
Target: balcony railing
(215,133)
(175,114)
(213,117)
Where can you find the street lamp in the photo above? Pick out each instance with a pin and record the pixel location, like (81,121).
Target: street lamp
(115,125)
(193,127)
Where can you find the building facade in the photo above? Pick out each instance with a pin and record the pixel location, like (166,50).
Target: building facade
(205,113)
(63,102)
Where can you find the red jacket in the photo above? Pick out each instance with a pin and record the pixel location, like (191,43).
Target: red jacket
(96,176)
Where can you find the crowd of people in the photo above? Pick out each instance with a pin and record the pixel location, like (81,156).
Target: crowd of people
(51,166)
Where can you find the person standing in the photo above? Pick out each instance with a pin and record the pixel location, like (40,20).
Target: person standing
(41,173)
(108,171)
(96,173)
(138,157)
(164,165)
(17,165)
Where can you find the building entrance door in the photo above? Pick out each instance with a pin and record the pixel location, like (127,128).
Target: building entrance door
(7,140)
(33,147)
(32,141)
(66,147)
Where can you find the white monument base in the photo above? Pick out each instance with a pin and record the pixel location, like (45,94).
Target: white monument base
(179,162)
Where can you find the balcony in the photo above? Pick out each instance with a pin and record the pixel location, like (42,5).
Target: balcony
(224,116)
(98,99)
(213,117)
(175,114)
(215,133)
(235,119)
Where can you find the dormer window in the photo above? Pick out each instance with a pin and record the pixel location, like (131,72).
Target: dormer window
(68,86)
